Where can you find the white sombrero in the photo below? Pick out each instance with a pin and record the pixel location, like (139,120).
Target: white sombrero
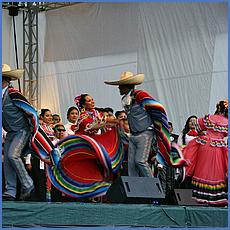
(128,78)
(14,74)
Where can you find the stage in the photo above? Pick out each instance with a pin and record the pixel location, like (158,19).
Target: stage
(69,214)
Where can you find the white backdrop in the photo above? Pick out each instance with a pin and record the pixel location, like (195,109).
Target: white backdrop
(180,47)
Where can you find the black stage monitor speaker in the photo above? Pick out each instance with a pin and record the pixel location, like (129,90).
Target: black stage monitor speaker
(184,197)
(135,190)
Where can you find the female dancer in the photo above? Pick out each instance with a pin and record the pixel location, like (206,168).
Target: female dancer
(207,158)
(90,120)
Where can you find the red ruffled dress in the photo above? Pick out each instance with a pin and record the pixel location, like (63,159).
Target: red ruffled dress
(85,164)
(88,119)
(207,158)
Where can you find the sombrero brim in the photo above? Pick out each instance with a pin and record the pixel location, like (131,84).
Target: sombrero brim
(13,74)
(134,80)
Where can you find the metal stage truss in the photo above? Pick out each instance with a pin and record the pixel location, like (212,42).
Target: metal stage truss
(30,42)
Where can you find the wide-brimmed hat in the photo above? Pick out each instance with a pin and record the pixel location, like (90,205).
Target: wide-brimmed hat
(13,75)
(128,78)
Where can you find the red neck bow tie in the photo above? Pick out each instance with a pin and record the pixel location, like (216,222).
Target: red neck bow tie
(192,133)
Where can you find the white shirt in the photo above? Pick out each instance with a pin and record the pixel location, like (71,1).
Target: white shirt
(126,100)
(69,131)
(4,90)
(187,139)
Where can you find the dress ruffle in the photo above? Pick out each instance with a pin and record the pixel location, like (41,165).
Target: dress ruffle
(213,142)
(209,192)
(216,127)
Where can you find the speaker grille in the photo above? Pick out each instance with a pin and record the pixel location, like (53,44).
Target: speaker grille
(135,190)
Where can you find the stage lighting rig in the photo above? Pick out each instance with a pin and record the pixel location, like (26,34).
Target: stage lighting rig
(13,8)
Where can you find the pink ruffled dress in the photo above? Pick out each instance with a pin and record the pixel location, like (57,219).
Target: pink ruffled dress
(207,158)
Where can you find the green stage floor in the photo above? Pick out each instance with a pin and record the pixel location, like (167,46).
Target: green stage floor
(40,214)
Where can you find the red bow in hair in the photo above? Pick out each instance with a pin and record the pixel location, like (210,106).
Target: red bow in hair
(77,101)
(73,128)
(192,133)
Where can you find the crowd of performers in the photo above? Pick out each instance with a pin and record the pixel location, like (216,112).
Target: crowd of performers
(79,161)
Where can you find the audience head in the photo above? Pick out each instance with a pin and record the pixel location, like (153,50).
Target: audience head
(222,108)
(109,110)
(46,116)
(120,114)
(108,113)
(124,124)
(56,118)
(59,131)
(72,114)
(100,110)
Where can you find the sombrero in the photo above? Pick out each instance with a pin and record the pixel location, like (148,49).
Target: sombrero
(128,78)
(11,74)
